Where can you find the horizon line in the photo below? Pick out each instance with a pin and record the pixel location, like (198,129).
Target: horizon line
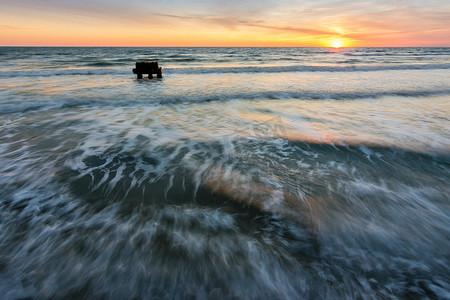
(90,46)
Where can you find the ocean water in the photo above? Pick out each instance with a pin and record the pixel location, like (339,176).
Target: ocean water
(243,173)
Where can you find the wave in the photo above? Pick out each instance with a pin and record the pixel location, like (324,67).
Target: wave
(204,174)
(277,218)
(131,100)
(62,72)
(103,63)
(405,55)
(181,59)
(221,70)
(302,68)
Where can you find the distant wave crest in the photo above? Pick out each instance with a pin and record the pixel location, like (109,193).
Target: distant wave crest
(220,70)
(64,102)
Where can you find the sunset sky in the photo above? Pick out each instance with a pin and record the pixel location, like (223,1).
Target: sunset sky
(224,23)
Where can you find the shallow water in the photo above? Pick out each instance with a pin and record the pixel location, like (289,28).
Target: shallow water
(243,173)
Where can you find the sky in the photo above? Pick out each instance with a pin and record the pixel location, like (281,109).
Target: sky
(236,23)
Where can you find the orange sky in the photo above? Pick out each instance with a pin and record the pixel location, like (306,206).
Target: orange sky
(224,23)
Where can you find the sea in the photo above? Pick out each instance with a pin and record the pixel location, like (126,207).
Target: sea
(243,173)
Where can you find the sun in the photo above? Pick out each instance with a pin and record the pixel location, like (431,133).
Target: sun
(337,44)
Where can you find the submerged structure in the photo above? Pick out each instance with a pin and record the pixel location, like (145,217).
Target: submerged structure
(147,67)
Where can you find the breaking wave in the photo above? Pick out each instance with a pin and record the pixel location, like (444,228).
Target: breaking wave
(208,219)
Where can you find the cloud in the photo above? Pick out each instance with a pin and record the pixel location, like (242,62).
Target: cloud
(357,20)
(9,27)
(299,30)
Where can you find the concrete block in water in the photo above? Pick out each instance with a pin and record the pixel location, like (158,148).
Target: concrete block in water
(147,67)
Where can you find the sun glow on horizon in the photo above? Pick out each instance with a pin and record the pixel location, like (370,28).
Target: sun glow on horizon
(337,44)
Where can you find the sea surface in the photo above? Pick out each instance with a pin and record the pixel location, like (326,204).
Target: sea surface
(243,173)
